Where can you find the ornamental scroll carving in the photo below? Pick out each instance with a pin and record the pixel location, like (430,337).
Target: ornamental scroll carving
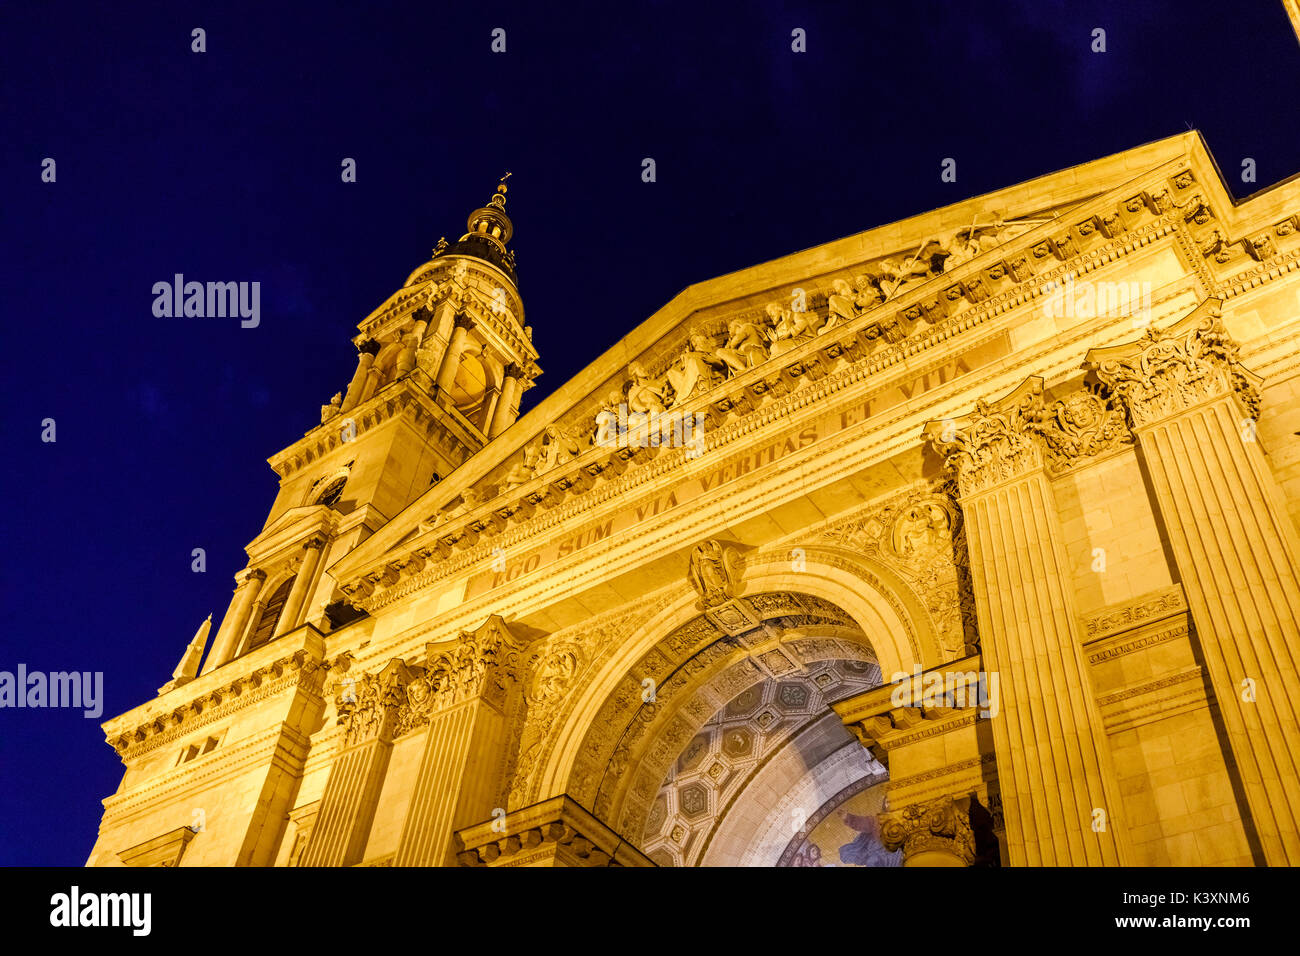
(480,664)
(1021,432)
(1084,424)
(941,825)
(1164,373)
(994,444)
(919,535)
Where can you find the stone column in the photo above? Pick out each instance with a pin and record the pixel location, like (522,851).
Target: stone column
(364,361)
(1060,795)
(235,622)
(455,349)
(468,694)
(302,586)
(368,707)
(410,344)
(934,833)
(1193,409)
(503,416)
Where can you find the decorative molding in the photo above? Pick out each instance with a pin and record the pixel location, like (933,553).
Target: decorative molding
(1152,606)
(165,850)
(559,825)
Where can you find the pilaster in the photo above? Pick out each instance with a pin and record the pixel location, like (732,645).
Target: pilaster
(467,696)
(1193,408)
(1059,792)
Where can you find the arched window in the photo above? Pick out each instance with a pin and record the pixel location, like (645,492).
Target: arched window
(270,615)
(333,491)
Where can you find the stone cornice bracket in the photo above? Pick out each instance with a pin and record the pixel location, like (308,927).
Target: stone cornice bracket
(993,444)
(941,825)
(558,828)
(1167,372)
(368,705)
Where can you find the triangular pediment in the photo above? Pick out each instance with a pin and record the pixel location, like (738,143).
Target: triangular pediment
(882,289)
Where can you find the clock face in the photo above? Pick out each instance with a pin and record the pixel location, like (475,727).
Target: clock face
(333,491)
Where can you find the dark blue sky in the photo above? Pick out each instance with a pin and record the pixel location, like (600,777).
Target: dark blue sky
(225,166)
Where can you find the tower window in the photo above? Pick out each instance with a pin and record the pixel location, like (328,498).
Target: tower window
(270,615)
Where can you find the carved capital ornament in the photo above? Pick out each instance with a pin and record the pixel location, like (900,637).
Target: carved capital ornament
(1167,372)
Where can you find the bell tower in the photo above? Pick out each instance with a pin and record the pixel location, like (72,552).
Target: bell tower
(441,367)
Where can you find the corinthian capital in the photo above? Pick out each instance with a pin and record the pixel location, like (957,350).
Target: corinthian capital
(368,703)
(940,825)
(1166,372)
(480,664)
(996,442)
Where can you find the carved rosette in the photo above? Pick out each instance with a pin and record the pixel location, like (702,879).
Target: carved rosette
(996,443)
(939,825)
(1167,372)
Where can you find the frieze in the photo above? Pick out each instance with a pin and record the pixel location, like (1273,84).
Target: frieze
(612,475)
(1149,607)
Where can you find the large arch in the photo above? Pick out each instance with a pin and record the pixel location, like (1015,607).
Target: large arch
(608,744)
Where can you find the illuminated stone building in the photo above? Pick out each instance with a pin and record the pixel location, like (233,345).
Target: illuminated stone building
(712,601)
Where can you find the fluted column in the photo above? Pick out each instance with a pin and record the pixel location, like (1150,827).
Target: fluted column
(364,360)
(467,696)
(455,349)
(235,622)
(368,708)
(504,413)
(1060,795)
(302,585)
(1193,409)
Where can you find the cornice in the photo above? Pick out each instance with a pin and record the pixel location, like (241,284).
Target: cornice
(403,397)
(282,664)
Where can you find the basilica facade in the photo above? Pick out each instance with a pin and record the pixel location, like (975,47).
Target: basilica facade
(970,540)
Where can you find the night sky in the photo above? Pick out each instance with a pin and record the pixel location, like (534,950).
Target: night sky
(225,166)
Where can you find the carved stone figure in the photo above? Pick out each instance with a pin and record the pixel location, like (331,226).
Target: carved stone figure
(558,448)
(524,470)
(711,573)
(1080,426)
(746,345)
(922,527)
(789,326)
(645,394)
(841,303)
(694,371)
(869,293)
(329,411)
